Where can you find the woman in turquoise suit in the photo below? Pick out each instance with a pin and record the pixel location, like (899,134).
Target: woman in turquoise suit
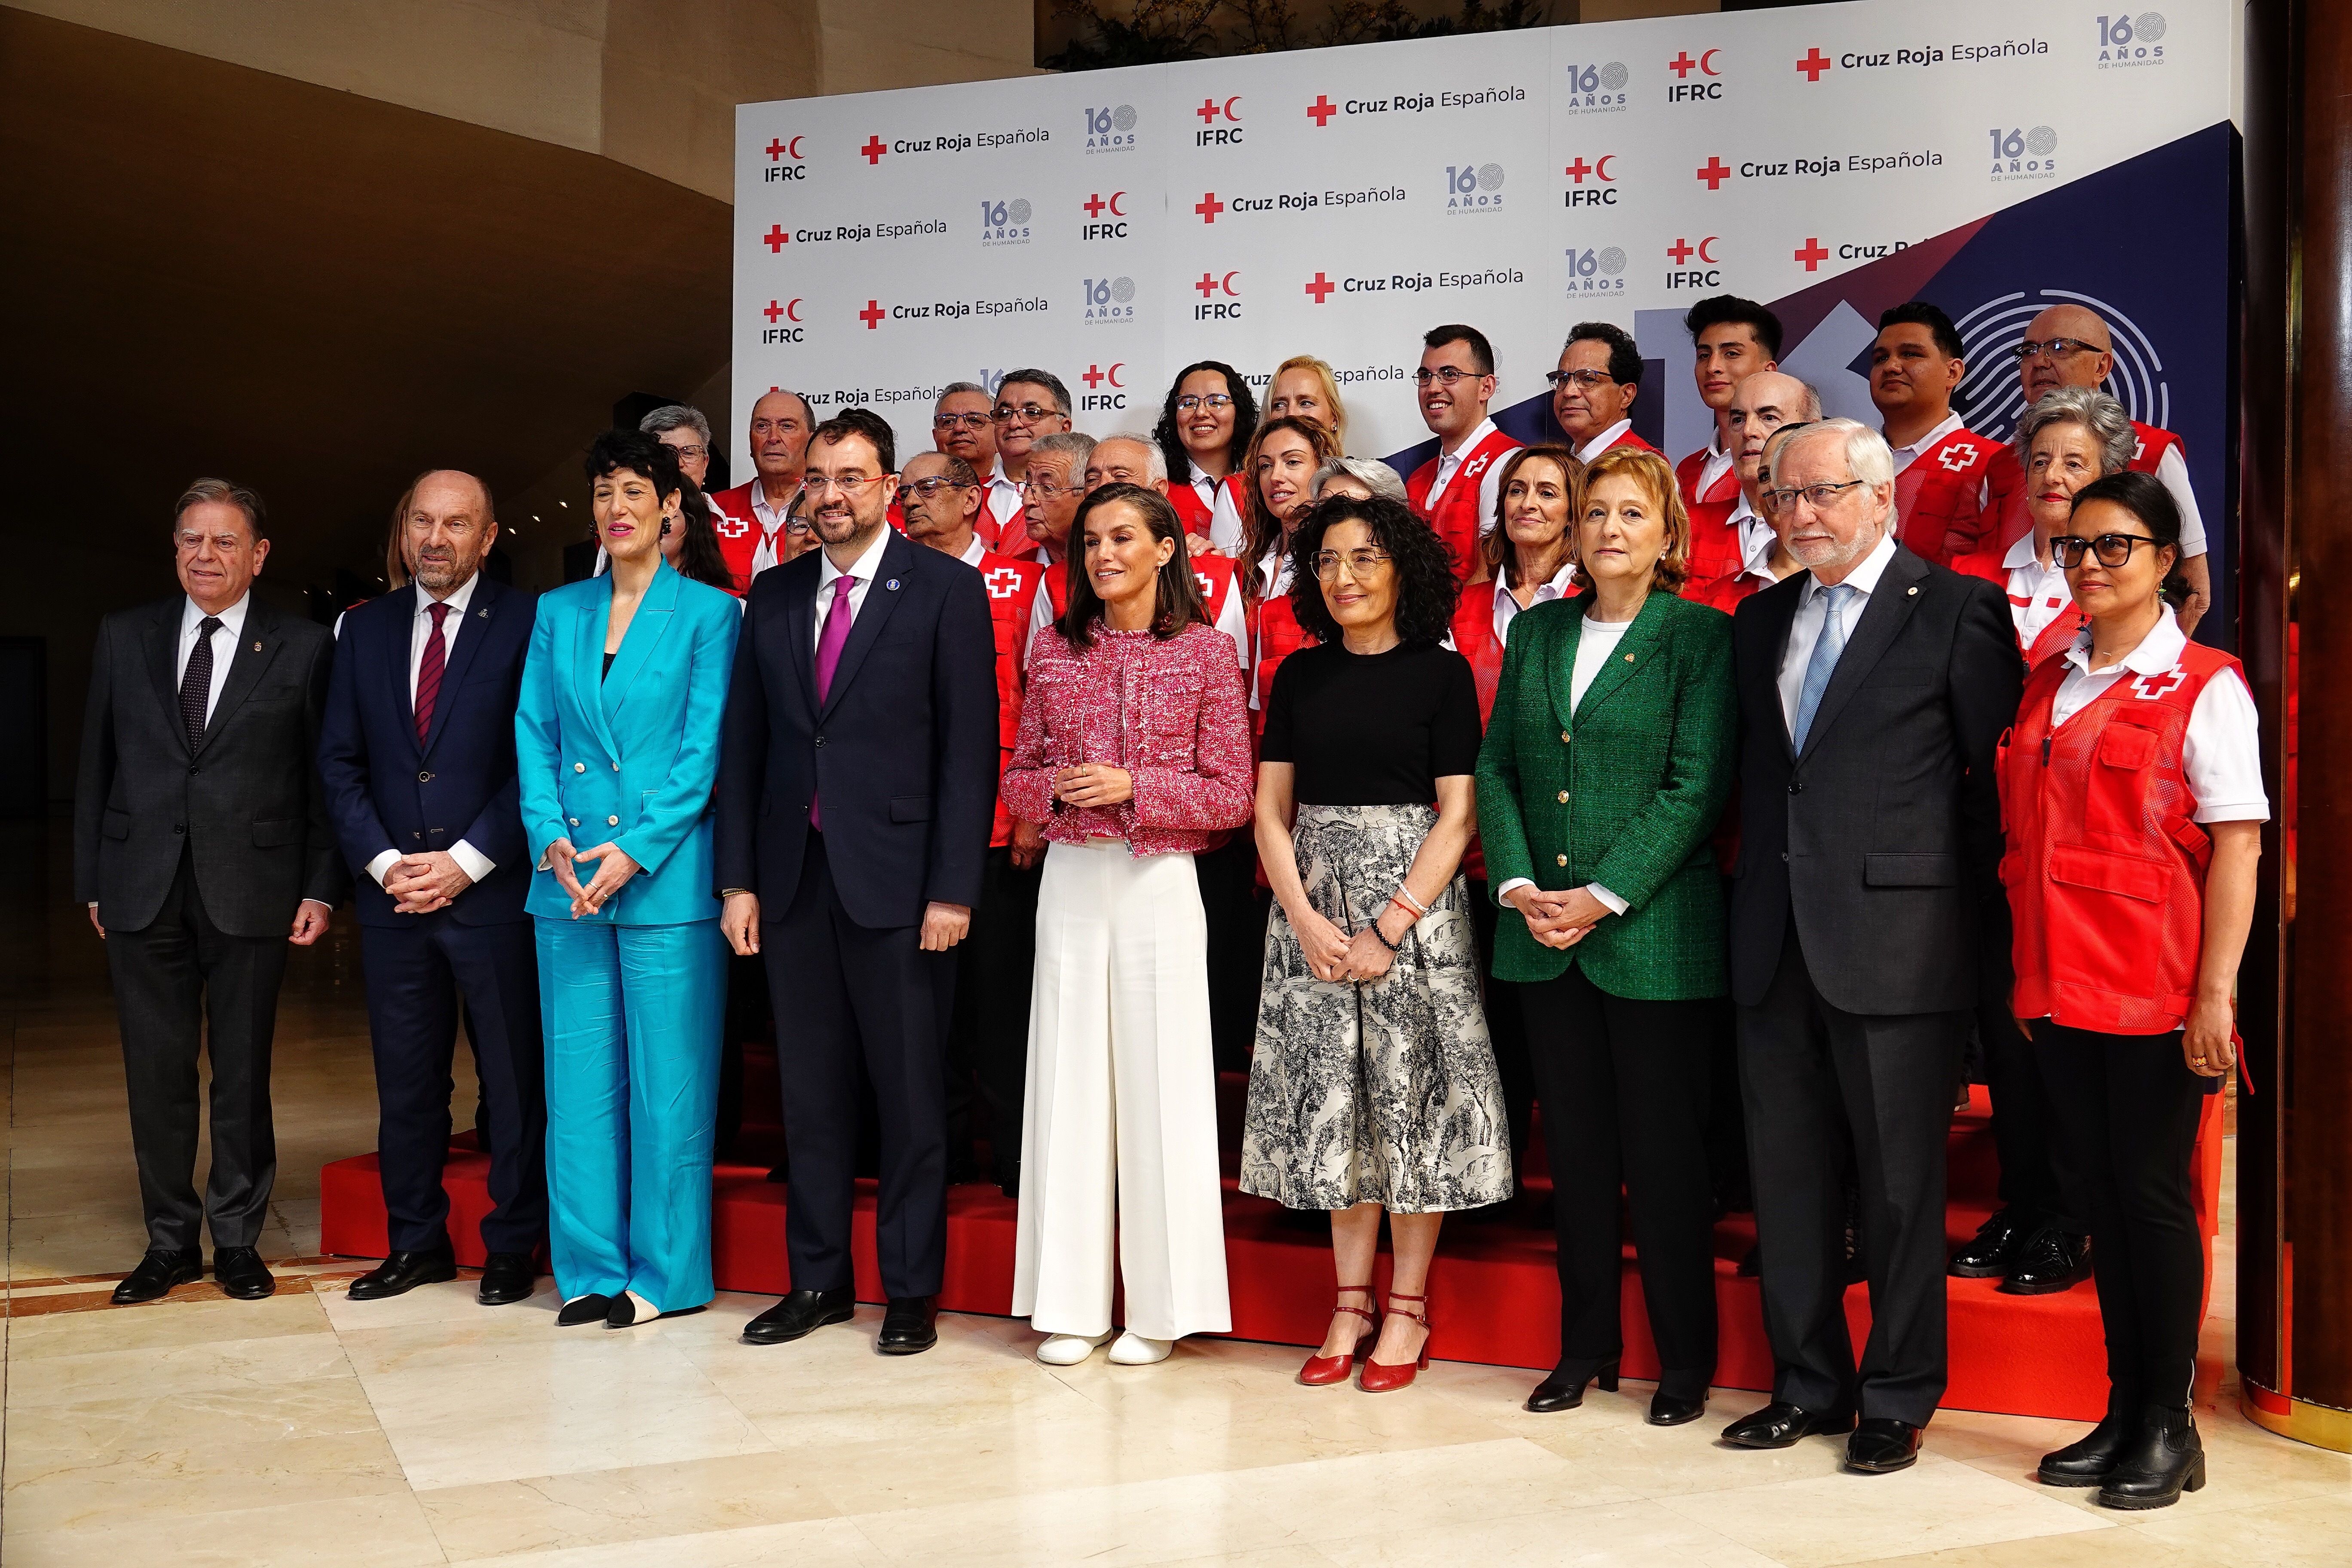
(618,746)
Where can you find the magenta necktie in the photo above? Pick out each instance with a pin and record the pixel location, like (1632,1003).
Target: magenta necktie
(830,641)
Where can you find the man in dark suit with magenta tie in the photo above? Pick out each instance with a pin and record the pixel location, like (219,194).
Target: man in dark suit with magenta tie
(855,791)
(418,758)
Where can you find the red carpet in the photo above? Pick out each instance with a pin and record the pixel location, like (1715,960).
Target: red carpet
(1494,1296)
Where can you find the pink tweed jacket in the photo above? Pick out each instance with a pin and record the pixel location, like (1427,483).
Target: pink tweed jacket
(1171,713)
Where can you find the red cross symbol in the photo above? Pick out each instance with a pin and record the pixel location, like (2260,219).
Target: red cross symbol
(1207,588)
(1207,284)
(2153,687)
(873,150)
(1093,378)
(1680,250)
(777,239)
(772,311)
(1812,256)
(1094,205)
(1207,111)
(1714,173)
(1210,207)
(1958,457)
(775,149)
(872,314)
(1321,288)
(1578,170)
(1813,64)
(1002,582)
(728,527)
(2139,449)
(1681,64)
(1321,109)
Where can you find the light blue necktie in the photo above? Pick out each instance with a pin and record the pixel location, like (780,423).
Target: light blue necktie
(1823,663)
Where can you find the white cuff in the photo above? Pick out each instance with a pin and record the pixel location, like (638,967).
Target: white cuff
(383,863)
(1617,906)
(1503,893)
(478,866)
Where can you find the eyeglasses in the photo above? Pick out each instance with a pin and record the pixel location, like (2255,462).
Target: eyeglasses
(1214,402)
(1027,412)
(188,542)
(683,450)
(817,484)
(1587,379)
(2112,549)
(1361,563)
(1043,490)
(961,421)
(1818,495)
(928,488)
(2056,348)
(1444,375)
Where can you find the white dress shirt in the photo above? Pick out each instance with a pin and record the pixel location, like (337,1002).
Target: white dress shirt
(1273,578)
(224,642)
(1812,612)
(470,860)
(1490,483)
(1718,464)
(1595,642)
(1227,530)
(1506,603)
(974,552)
(2037,593)
(1757,539)
(2221,753)
(999,500)
(861,578)
(1602,442)
(1907,456)
(770,522)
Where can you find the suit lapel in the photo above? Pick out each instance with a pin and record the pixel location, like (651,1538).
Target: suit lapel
(1632,647)
(882,597)
(481,611)
(1558,663)
(1782,597)
(161,645)
(1889,606)
(256,647)
(588,659)
(645,630)
(398,635)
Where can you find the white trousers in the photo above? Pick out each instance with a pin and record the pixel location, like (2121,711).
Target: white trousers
(1121,1102)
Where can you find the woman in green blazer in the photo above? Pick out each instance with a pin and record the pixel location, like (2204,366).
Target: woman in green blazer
(1606,764)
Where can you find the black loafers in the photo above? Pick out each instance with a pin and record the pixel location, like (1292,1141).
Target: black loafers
(800,1313)
(506,1278)
(241,1274)
(1881,1445)
(1781,1425)
(589,1308)
(907,1327)
(157,1272)
(1673,1410)
(1987,1256)
(404,1272)
(1564,1389)
(2049,1261)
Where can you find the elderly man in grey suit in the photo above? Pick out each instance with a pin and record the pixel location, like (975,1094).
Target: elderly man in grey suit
(202,848)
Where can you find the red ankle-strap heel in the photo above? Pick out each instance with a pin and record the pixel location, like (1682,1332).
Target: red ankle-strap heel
(1326,1369)
(1379,1378)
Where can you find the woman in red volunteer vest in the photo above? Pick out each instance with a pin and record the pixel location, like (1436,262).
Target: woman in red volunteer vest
(2132,797)
(1204,431)
(1283,459)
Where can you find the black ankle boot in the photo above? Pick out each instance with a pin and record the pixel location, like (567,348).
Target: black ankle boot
(2163,1459)
(2086,1461)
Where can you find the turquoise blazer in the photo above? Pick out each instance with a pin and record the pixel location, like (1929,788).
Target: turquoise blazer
(628,758)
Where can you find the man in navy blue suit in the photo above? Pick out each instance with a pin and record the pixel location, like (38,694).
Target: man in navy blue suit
(417,753)
(855,791)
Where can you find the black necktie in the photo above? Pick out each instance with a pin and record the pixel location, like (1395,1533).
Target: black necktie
(197,684)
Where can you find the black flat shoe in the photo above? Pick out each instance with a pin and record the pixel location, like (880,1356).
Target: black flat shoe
(1881,1445)
(586,1309)
(506,1278)
(1781,1425)
(1987,1257)
(404,1272)
(622,1313)
(1673,1410)
(2049,1262)
(2164,1458)
(241,1274)
(907,1327)
(799,1313)
(157,1272)
(2086,1461)
(1564,1389)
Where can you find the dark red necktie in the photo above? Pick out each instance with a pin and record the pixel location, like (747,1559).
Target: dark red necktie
(428,672)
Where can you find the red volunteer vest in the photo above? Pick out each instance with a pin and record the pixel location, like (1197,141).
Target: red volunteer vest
(1714,544)
(2055,637)
(1011,598)
(1275,636)
(2004,505)
(738,528)
(1938,499)
(2105,868)
(1456,517)
(1475,639)
(1724,594)
(1194,515)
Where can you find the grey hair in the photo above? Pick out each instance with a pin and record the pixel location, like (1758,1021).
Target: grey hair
(2096,412)
(1867,456)
(228,493)
(1373,474)
(675,417)
(1075,445)
(808,409)
(951,388)
(952,468)
(1155,461)
(1812,399)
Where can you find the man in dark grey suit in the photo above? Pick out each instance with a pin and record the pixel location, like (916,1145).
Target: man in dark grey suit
(1873,688)
(202,847)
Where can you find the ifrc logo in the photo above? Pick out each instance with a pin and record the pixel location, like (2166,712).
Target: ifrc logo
(1002,582)
(1106,219)
(784,161)
(1959,457)
(1212,111)
(2149,688)
(1684,89)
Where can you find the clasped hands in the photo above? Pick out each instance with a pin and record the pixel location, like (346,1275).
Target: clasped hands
(614,868)
(1334,956)
(1093,785)
(420,884)
(1560,918)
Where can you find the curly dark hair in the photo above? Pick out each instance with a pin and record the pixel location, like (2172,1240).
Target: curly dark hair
(1427,586)
(1171,444)
(698,556)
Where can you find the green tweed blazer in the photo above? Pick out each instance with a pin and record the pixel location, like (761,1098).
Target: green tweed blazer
(1623,791)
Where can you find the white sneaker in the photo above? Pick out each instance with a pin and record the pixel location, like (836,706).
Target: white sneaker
(1070,1350)
(1134,1350)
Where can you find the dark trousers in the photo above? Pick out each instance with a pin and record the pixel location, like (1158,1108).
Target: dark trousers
(181,985)
(2021,1128)
(1505,1027)
(1819,1082)
(846,994)
(2125,1110)
(416,972)
(1235,915)
(1625,1092)
(988,1033)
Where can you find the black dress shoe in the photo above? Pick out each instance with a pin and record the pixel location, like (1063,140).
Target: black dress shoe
(404,1272)
(589,1308)
(2164,1458)
(799,1313)
(157,1272)
(1564,1389)
(241,1274)
(1673,1410)
(1881,1445)
(907,1327)
(506,1278)
(2050,1261)
(1987,1257)
(2086,1461)
(1780,1424)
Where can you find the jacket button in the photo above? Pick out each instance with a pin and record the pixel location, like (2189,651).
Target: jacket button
(612,822)
(1784,857)
(580,767)
(191,770)
(1560,859)
(1563,797)
(573,820)
(1796,787)
(1563,737)
(179,828)
(820,740)
(616,767)
(425,777)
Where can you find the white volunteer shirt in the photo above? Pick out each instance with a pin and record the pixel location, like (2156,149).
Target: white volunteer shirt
(470,860)
(1273,578)
(973,553)
(770,522)
(1596,641)
(223,644)
(1757,539)
(1490,483)
(1000,499)
(1506,605)
(2172,473)
(1718,463)
(861,576)
(2221,753)
(1602,442)
(1225,528)
(1812,613)
(2037,593)
(1907,456)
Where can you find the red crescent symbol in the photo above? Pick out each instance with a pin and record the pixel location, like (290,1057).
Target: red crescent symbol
(1703,244)
(1229,107)
(1601,170)
(1702,66)
(793,150)
(1227,284)
(792,311)
(1113,375)
(1114,204)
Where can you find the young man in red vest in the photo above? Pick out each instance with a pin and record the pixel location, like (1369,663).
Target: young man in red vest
(750,518)
(2069,345)
(942,501)
(1732,339)
(1939,462)
(1453,492)
(1593,389)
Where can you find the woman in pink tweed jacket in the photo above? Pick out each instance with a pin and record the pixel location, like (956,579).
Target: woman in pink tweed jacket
(1133,753)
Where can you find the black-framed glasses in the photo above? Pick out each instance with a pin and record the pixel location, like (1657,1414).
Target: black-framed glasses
(2056,348)
(1214,402)
(687,450)
(2110,549)
(1818,495)
(960,421)
(928,488)
(1361,563)
(1027,412)
(1446,375)
(1588,379)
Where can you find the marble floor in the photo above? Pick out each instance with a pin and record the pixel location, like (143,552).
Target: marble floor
(309,1429)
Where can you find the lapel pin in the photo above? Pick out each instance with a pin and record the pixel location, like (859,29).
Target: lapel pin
(256,648)
(892,584)
(1913,590)
(1629,659)
(484,612)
